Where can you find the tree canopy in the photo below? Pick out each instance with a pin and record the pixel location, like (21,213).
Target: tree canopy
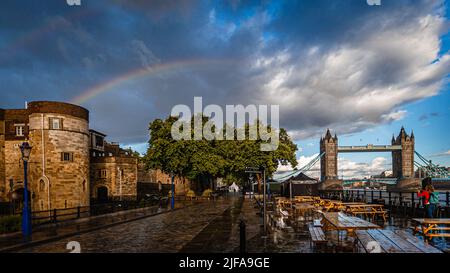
(195,159)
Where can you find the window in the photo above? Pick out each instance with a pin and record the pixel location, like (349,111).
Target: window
(99,141)
(55,123)
(41,185)
(19,129)
(102,173)
(66,156)
(84,185)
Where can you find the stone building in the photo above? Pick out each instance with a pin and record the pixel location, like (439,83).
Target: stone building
(113,170)
(70,165)
(329,162)
(329,146)
(403,160)
(59,163)
(149,181)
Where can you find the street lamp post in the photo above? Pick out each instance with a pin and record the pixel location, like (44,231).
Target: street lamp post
(261,170)
(25,148)
(172,199)
(264,201)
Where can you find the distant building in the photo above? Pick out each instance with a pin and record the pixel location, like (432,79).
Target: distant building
(113,170)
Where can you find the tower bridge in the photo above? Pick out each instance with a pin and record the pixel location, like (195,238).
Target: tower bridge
(403,163)
(369,148)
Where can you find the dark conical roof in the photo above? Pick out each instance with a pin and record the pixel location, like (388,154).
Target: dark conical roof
(328,134)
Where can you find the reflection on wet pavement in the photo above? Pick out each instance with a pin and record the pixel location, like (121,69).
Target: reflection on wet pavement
(161,233)
(211,227)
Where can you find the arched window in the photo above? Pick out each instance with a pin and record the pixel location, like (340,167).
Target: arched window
(84,185)
(41,185)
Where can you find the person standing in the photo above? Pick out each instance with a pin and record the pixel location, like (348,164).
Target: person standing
(434,200)
(426,200)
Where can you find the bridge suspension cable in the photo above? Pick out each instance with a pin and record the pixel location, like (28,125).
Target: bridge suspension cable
(430,168)
(303,169)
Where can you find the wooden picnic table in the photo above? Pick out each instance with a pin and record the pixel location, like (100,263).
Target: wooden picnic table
(369,210)
(303,208)
(304,199)
(341,206)
(389,241)
(341,222)
(428,227)
(329,205)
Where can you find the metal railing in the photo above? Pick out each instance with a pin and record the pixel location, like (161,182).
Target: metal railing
(403,203)
(95,209)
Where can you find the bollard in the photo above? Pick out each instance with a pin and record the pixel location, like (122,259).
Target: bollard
(54,215)
(78,212)
(243,240)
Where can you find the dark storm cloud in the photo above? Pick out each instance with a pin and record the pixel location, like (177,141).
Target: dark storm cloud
(337,64)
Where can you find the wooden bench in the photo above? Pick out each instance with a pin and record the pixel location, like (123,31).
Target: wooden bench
(317,235)
(431,227)
(389,241)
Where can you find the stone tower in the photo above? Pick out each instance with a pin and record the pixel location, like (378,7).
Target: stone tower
(403,163)
(403,160)
(328,162)
(3,187)
(58,174)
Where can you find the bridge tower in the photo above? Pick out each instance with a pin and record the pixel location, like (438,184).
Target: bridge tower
(328,162)
(403,161)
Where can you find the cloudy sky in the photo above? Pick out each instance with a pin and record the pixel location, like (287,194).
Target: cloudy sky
(362,71)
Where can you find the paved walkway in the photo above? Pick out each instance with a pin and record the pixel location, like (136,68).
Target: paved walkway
(222,234)
(211,226)
(48,233)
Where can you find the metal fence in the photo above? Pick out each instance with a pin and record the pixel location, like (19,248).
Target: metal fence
(404,203)
(65,214)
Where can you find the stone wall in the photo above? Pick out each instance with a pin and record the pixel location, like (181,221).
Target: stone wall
(182,184)
(4,188)
(56,183)
(53,183)
(146,176)
(113,181)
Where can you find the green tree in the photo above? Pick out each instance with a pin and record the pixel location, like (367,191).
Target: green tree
(203,160)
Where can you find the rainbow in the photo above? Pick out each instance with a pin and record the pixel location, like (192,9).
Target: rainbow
(104,87)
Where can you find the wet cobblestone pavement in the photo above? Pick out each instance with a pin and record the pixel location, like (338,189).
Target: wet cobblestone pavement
(167,232)
(48,232)
(208,227)
(222,234)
